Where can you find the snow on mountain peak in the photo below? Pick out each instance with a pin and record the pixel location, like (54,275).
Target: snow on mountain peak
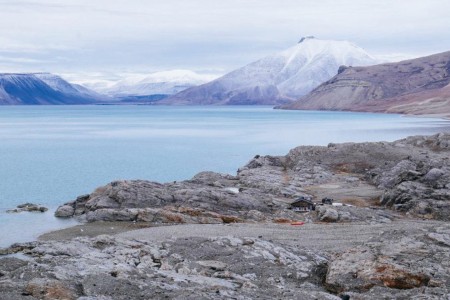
(42,88)
(178,76)
(163,82)
(281,77)
(300,68)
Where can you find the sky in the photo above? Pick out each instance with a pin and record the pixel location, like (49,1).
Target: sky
(110,39)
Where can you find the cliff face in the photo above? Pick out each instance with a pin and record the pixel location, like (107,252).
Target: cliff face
(414,86)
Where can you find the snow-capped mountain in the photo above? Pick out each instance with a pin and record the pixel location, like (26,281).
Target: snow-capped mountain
(162,83)
(278,78)
(61,85)
(42,88)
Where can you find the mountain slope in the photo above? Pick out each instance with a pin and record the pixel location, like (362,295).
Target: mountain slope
(42,88)
(61,85)
(278,78)
(159,83)
(393,87)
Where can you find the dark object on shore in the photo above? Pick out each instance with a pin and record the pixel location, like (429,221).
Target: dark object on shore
(303,204)
(327,200)
(28,207)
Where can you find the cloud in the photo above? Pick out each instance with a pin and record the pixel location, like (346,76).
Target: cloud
(145,36)
(21,60)
(395,57)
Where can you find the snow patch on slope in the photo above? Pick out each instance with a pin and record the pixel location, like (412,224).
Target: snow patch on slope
(165,82)
(299,69)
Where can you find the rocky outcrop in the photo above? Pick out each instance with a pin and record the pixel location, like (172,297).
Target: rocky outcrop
(113,268)
(417,86)
(409,176)
(206,198)
(413,173)
(31,207)
(397,264)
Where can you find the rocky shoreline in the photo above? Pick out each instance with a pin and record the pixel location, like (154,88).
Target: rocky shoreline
(409,176)
(220,236)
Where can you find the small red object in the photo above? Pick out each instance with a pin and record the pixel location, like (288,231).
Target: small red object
(297,223)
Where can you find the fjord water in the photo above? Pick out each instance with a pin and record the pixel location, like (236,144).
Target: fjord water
(51,154)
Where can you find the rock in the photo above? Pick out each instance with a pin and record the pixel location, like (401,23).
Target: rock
(65,211)
(10,264)
(112,268)
(51,289)
(397,264)
(328,215)
(395,260)
(403,171)
(30,207)
(443,239)
(433,176)
(213,264)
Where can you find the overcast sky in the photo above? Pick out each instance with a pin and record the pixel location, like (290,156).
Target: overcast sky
(108,37)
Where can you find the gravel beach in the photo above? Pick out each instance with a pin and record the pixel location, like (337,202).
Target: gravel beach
(318,236)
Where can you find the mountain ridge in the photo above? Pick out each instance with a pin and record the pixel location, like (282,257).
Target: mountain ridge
(42,89)
(402,87)
(157,83)
(279,78)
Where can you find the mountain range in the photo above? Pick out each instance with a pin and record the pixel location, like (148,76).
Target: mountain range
(416,86)
(158,83)
(279,78)
(43,88)
(314,74)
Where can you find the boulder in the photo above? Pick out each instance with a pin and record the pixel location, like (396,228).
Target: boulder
(327,214)
(396,260)
(65,211)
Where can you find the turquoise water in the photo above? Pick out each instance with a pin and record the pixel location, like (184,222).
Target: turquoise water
(51,154)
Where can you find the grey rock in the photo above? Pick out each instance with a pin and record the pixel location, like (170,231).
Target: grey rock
(393,265)
(213,264)
(403,171)
(112,268)
(393,260)
(30,207)
(327,214)
(436,178)
(65,211)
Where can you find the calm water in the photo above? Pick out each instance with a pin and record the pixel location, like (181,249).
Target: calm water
(51,154)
